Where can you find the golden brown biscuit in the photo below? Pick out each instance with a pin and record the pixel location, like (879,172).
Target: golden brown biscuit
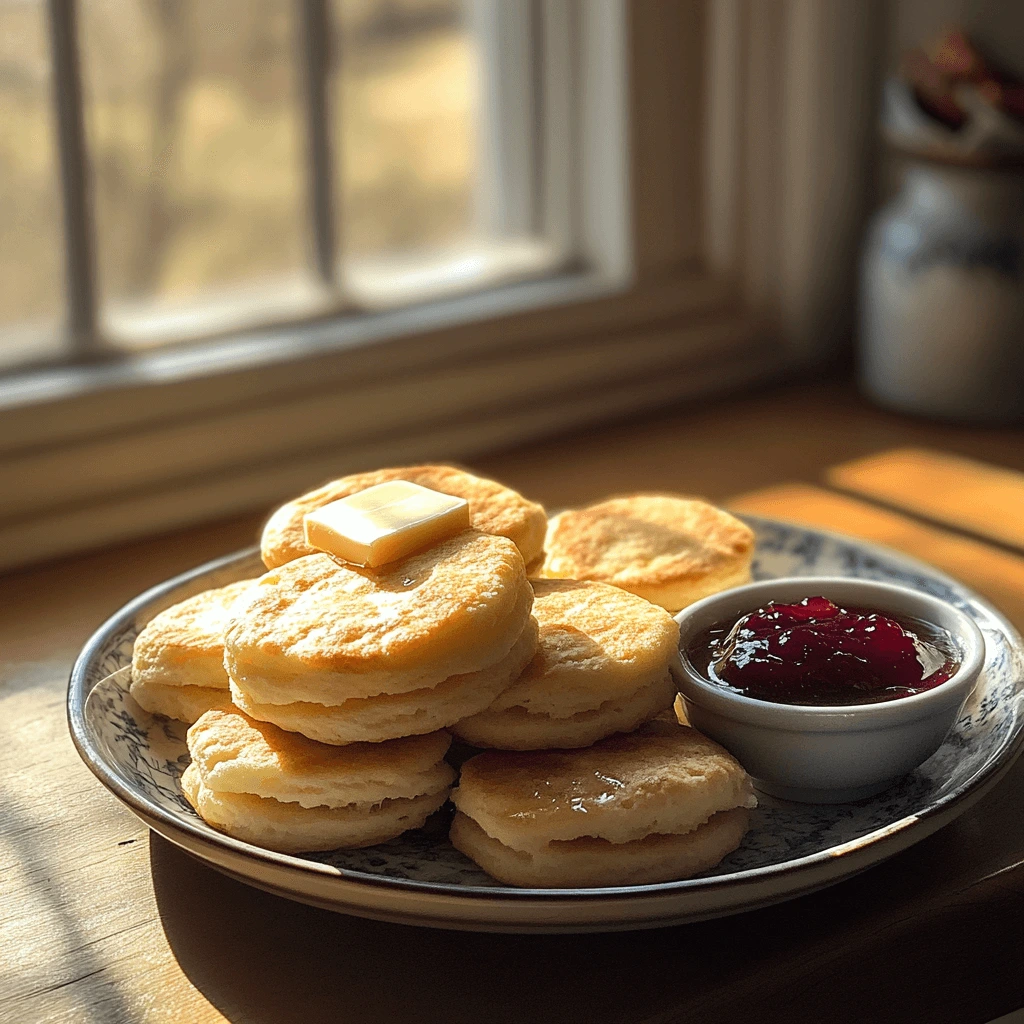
(235,754)
(178,658)
(290,828)
(587,862)
(667,549)
(273,788)
(662,779)
(317,630)
(390,715)
(602,666)
(493,508)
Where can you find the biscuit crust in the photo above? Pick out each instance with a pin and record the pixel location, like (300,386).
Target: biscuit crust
(184,644)
(235,754)
(493,508)
(387,716)
(291,828)
(668,549)
(319,630)
(590,863)
(663,778)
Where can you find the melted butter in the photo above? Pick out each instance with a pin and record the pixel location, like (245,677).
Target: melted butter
(578,796)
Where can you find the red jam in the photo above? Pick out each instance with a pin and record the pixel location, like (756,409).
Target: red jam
(817,653)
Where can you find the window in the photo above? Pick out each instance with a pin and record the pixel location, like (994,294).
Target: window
(30,229)
(395,230)
(227,163)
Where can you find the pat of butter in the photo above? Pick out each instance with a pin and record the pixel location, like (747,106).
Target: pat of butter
(385,523)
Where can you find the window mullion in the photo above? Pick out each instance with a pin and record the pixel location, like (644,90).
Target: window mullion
(316,50)
(79,243)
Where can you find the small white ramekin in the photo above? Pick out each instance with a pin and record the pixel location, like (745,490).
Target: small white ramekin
(828,754)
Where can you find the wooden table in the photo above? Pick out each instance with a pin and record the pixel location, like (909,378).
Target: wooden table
(101,921)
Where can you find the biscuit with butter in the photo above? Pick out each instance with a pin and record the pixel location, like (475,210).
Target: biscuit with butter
(493,508)
(346,654)
(660,803)
(178,658)
(601,666)
(276,789)
(667,549)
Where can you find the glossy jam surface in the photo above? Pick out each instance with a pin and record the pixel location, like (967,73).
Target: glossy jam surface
(816,653)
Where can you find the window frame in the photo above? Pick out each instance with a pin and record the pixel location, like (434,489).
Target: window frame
(691,281)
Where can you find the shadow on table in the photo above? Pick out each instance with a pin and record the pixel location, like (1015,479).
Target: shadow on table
(852,953)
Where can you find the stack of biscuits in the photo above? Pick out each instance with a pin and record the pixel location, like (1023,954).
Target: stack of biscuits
(281,790)
(660,803)
(324,694)
(343,654)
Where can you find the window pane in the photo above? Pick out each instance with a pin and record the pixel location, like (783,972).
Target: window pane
(31,268)
(406,112)
(192,114)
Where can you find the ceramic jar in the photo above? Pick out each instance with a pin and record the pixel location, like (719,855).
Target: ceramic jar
(942,295)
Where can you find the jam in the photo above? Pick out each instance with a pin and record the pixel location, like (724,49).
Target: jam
(817,653)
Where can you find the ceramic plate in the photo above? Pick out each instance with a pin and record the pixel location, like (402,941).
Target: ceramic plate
(419,878)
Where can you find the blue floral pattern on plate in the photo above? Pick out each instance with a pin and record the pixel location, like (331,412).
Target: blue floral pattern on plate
(148,754)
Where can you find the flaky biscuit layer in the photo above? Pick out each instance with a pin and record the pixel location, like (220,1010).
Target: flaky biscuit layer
(373,719)
(589,863)
(183,703)
(665,548)
(184,644)
(493,509)
(291,828)
(236,754)
(517,728)
(316,629)
(663,778)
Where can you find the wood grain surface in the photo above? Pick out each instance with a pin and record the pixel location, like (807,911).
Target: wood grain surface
(973,496)
(101,922)
(991,571)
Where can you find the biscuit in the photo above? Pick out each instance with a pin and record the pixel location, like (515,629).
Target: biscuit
(235,754)
(288,793)
(493,509)
(661,779)
(289,828)
(589,862)
(390,715)
(318,630)
(178,658)
(602,666)
(670,550)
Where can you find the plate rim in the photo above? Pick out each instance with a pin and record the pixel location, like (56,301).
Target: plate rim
(883,842)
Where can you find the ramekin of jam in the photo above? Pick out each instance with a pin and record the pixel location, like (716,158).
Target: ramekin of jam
(826,689)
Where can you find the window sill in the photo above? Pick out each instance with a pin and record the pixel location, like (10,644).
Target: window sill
(95,454)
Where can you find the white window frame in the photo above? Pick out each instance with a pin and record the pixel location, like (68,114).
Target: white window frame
(711,253)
